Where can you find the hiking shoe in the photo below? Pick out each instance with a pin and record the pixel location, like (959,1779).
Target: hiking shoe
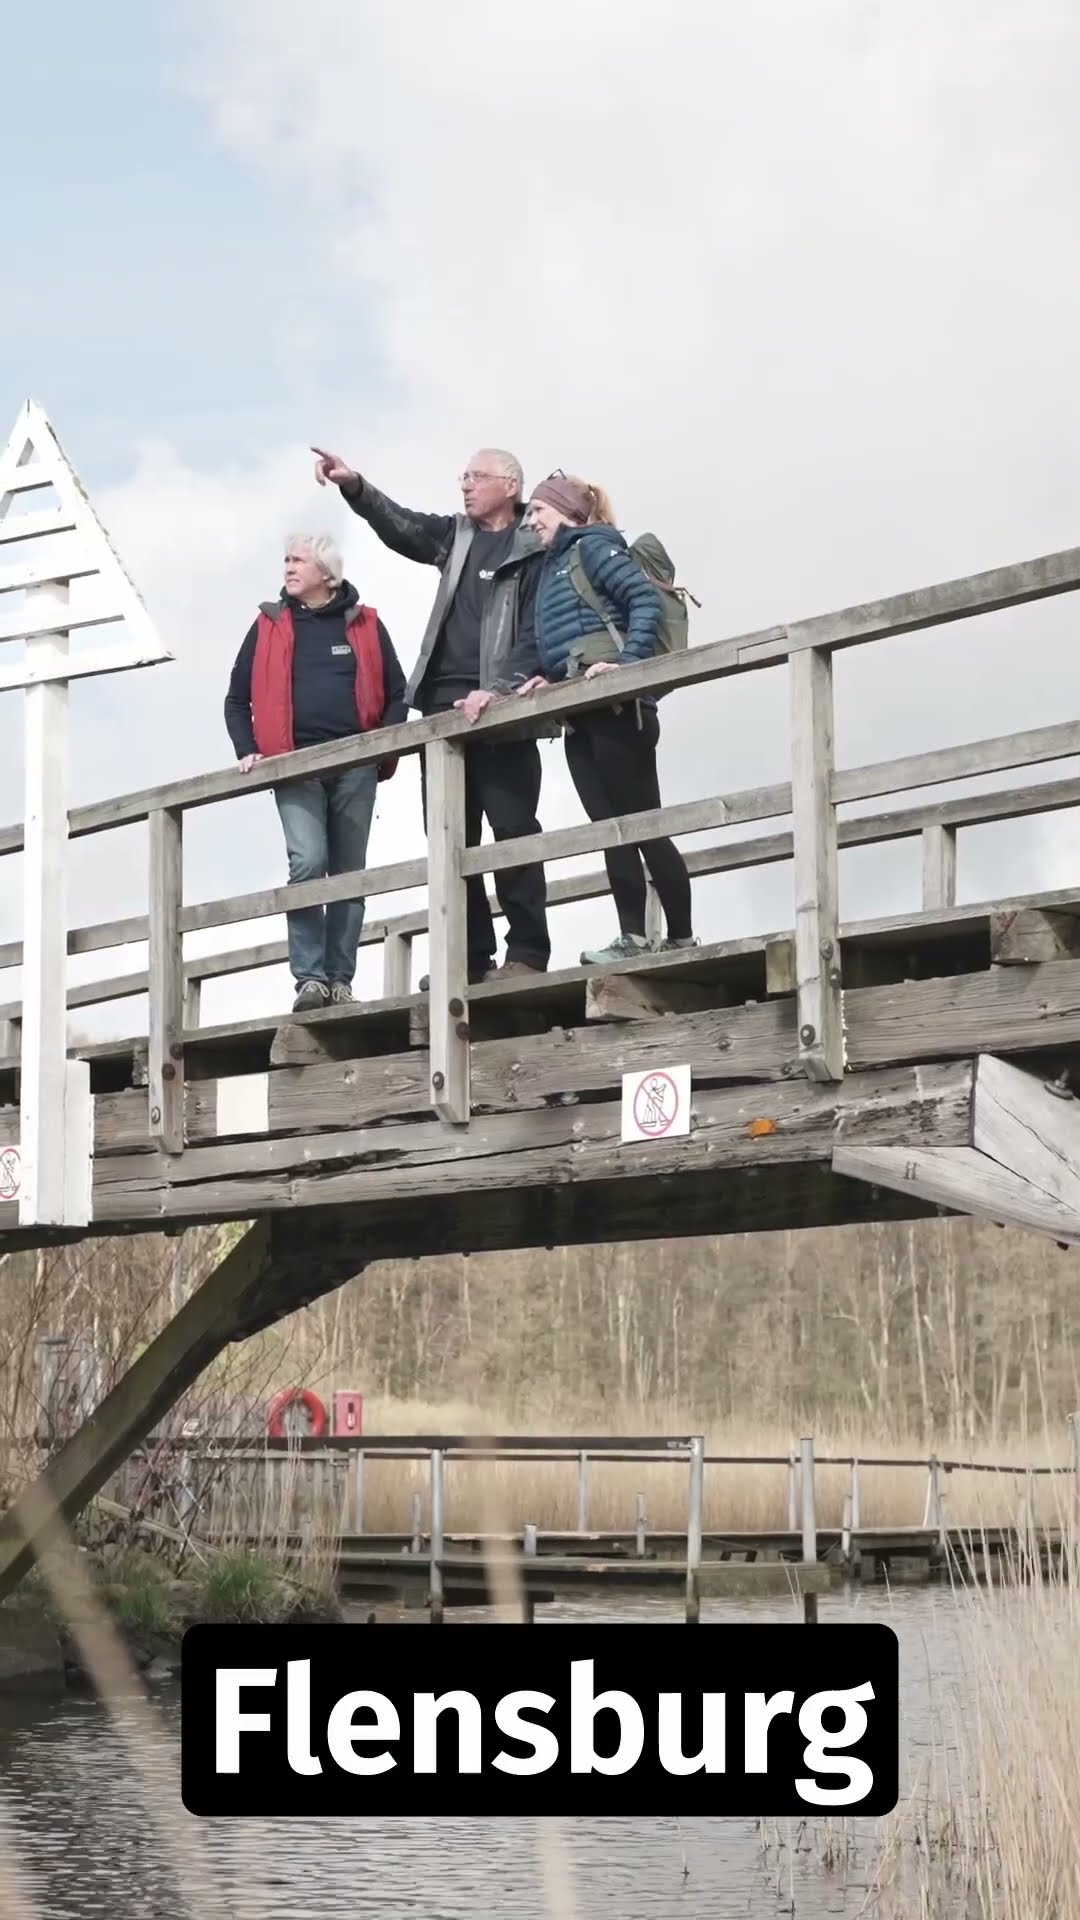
(476,975)
(310,995)
(674,946)
(340,993)
(628,946)
(512,967)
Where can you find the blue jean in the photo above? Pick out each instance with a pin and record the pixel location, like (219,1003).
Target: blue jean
(326,821)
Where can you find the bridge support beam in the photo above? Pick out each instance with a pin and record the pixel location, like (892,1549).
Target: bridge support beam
(1021,1169)
(207,1322)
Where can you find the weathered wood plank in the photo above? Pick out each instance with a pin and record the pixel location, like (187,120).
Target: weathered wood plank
(959,599)
(939,866)
(1007,1011)
(732,1127)
(780,964)
(1028,1130)
(999,754)
(690,816)
(1026,937)
(817,919)
(626,996)
(448,994)
(397,965)
(802,1194)
(961,1180)
(166,1036)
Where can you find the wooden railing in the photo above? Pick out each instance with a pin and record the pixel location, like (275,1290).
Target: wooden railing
(811,798)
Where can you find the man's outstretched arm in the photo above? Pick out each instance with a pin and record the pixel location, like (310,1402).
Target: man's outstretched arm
(424,537)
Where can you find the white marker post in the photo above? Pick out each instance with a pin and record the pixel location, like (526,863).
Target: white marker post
(53,1165)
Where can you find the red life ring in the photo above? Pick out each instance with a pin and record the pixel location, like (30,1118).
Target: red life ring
(289,1397)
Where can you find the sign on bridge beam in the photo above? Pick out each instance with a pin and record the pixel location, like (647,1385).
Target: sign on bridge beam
(56,540)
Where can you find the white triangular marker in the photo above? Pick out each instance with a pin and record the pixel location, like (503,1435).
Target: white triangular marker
(58,545)
(69,543)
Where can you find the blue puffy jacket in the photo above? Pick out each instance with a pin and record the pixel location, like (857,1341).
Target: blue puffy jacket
(562,616)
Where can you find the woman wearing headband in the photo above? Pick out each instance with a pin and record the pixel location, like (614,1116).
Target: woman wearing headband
(610,751)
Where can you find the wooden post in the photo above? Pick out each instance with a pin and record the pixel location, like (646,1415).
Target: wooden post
(856,1497)
(397,965)
(654,912)
(417,1540)
(354,1492)
(938,867)
(438,1521)
(793,1492)
(55,1125)
(932,1513)
(817,912)
(448,996)
(192,1003)
(809,1504)
(639,1525)
(166,1055)
(695,1523)
(528,1541)
(845,1531)
(583,1493)
(1074,1431)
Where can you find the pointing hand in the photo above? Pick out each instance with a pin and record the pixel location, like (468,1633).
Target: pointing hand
(331,467)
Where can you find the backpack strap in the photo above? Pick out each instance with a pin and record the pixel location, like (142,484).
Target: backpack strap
(579,575)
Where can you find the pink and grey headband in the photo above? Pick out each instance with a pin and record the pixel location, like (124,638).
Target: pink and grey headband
(566,496)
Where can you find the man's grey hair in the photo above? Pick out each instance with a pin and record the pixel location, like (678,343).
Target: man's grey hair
(323,548)
(508,464)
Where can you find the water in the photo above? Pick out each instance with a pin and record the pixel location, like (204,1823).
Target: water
(76,1810)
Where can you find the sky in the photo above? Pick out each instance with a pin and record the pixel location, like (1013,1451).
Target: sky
(798,285)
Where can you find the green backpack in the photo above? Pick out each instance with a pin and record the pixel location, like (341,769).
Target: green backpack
(655,562)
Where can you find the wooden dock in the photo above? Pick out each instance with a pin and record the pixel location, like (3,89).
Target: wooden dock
(881,1069)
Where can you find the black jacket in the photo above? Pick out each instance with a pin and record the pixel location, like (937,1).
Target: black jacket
(508,654)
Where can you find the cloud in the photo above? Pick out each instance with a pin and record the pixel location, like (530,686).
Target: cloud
(797,284)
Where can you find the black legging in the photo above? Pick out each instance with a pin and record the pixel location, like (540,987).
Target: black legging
(612,763)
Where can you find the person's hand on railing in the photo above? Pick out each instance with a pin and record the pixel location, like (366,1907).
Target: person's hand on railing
(601,666)
(249,760)
(474,703)
(534,685)
(330,467)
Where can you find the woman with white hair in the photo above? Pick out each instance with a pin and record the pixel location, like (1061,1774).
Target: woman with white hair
(316,665)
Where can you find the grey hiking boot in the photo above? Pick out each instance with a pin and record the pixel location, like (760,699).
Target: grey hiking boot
(628,946)
(310,995)
(340,994)
(674,946)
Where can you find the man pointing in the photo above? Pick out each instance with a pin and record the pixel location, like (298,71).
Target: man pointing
(478,644)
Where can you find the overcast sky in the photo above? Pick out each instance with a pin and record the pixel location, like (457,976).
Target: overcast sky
(798,284)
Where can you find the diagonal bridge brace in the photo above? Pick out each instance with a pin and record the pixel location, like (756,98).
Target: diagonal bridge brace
(1020,1169)
(240,1297)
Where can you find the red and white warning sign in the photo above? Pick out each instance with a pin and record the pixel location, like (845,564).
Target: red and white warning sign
(10,1173)
(656,1104)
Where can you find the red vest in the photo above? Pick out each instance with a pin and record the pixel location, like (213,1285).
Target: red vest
(271,676)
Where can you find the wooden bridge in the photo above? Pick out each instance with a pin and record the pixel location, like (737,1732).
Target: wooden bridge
(881,1069)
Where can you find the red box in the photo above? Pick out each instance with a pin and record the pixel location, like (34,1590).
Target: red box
(348,1411)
